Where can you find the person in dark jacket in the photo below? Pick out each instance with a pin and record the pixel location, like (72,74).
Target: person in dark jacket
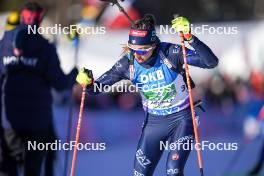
(30,68)
(12,22)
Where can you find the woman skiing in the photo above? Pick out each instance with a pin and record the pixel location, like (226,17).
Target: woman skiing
(156,68)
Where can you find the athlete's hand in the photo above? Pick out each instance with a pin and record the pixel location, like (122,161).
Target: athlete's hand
(182,24)
(85,77)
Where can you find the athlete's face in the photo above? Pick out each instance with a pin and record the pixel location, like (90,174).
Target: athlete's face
(142,52)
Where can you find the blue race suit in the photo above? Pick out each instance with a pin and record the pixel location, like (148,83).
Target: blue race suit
(165,100)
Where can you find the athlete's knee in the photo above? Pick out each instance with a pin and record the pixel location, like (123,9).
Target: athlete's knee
(142,160)
(142,164)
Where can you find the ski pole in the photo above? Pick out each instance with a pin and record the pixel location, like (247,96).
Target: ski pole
(76,56)
(75,40)
(78,130)
(121,9)
(196,135)
(69,133)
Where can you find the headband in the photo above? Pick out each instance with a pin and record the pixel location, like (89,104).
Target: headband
(142,37)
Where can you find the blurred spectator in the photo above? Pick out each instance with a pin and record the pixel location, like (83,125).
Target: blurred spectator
(257,84)
(30,67)
(12,20)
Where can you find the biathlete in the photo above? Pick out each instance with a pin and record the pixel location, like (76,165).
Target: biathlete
(156,68)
